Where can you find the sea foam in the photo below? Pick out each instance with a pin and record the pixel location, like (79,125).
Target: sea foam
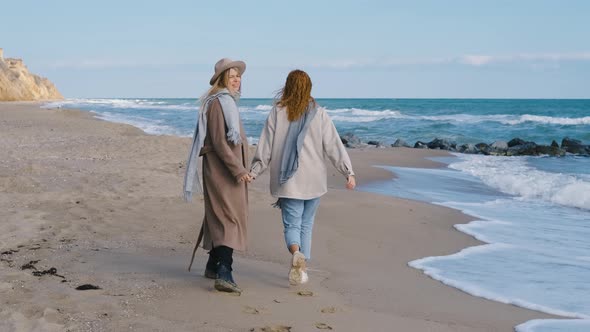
(512,175)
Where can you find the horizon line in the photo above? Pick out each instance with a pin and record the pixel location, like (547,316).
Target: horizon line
(388,98)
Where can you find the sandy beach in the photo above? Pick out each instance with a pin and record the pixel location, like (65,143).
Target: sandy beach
(89,202)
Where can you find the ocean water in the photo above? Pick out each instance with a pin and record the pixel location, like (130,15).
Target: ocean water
(532,213)
(460,120)
(534,219)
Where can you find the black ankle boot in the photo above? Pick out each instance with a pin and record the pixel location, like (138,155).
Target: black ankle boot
(225,281)
(211,269)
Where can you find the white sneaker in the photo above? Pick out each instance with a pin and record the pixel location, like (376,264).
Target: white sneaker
(297,268)
(304,277)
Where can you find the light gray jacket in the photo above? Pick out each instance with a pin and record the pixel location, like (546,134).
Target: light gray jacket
(310,180)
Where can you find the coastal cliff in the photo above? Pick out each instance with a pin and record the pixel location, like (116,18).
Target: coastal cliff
(18,84)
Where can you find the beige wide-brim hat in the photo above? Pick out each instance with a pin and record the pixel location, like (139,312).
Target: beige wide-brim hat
(224,64)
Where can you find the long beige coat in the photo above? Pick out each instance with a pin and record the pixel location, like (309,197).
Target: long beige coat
(226,199)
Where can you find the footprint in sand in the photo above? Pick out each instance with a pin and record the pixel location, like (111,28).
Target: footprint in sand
(250,310)
(275,328)
(305,293)
(323,326)
(328,310)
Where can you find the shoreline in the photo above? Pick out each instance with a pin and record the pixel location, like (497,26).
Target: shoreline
(102,203)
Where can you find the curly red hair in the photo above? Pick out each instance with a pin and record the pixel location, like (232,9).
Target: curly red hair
(296,94)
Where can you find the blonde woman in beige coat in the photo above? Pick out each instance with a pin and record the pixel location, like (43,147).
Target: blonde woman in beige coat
(220,139)
(296,137)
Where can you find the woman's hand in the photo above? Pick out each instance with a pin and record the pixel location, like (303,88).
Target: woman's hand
(245,178)
(350,182)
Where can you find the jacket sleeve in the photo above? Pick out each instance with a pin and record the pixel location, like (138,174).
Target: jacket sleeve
(264,150)
(333,146)
(217,132)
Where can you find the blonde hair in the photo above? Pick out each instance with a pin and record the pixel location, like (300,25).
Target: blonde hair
(220,83)
(296,94)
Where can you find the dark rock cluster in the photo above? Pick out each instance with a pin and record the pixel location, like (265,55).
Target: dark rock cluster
(514,147)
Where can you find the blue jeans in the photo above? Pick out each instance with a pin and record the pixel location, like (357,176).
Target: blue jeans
(298,216)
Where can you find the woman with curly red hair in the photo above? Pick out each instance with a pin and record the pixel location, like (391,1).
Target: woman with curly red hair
(293,143)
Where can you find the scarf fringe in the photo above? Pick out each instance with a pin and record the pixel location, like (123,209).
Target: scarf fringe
(188,196)
(234,136)
(277,204)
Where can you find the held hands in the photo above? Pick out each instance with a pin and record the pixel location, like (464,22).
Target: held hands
(246,178)
(350,182)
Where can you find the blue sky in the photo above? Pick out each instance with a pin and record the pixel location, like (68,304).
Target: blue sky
(389,49)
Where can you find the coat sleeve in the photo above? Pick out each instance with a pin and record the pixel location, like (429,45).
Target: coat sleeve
(216,131)
(263,153)
(333,146)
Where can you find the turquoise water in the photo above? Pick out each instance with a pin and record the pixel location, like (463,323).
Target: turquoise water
(460,120)
(535,221)
(533,212)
